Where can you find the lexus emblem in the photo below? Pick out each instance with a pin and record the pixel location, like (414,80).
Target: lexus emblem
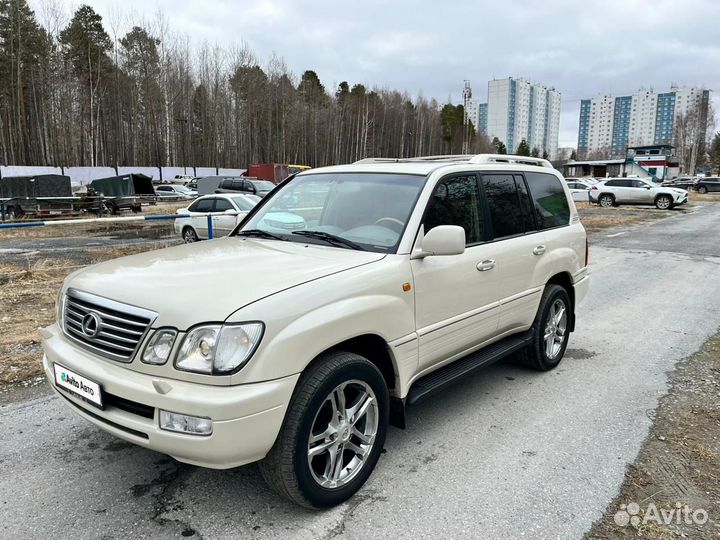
(91,325)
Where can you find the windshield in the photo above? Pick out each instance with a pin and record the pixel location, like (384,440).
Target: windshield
(361,210)
(263,185)
(183,189)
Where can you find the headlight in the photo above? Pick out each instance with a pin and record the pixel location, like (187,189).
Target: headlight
(217,350)
(157,350)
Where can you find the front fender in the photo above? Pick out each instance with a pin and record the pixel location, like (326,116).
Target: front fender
(305,321)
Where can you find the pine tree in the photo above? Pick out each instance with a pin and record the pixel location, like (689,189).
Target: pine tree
(535,152)
(523,149)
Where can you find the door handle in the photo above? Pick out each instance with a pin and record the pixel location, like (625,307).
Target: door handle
(487,264)
(539,250)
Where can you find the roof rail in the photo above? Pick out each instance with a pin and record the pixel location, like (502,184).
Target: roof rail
(509,158)
(470,158)
(420,159)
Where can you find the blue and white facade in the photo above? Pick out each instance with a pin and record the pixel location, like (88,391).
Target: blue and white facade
(610,124)
(518,110)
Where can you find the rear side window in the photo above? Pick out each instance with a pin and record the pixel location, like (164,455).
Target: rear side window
(204,205)
(456,201)
(549,200)
(506,213)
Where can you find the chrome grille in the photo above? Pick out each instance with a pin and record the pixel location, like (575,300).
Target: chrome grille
(106,327)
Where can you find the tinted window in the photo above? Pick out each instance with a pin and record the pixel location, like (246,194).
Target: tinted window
(639,183)
(551,205)
(262,185)
(616,183)
(204,205)
(456,201)
(503,201)
(525,204)
(223,204)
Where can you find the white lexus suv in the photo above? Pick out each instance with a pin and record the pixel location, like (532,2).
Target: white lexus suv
(302,339)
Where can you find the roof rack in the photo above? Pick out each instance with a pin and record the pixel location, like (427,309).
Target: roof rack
(477,158)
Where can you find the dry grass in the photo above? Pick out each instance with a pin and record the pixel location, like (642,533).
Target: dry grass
(27,294)
(595,218)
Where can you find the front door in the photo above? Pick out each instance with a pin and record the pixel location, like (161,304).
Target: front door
(456,303)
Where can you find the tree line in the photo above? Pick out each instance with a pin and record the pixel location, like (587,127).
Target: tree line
(73,93)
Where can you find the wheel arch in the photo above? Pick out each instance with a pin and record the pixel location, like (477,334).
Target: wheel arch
(564,280)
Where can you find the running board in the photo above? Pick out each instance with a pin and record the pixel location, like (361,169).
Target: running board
(445,376)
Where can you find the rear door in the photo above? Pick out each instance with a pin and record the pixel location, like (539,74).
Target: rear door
(199,219)
(518,248)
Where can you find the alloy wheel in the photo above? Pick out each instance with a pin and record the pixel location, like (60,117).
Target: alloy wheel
(343,434)
(555,329)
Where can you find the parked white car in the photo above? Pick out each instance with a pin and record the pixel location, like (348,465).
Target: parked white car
(616,191)
(298,346)
(226,210)
(175,191)
(579,189)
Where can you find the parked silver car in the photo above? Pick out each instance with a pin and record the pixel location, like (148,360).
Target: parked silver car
(615,191)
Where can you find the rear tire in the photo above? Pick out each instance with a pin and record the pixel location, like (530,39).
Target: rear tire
(550,331)
(664,202)
(702,189)
(303,464)
(606,201)
(189,235)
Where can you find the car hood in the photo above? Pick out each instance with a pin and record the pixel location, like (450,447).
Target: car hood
(678,191)
(208,281)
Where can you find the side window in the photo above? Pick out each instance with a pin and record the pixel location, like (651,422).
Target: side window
(456,201)
(205,205)
(506,214)
(551,205)
(223,204)
(248,187)
(194,206)
(525,204)
(612,183)
(638,183)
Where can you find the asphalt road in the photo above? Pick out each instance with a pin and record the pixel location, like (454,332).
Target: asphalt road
(508,453)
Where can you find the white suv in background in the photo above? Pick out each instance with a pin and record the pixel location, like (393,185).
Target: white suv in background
(299,343)
(226,212)
(616,191)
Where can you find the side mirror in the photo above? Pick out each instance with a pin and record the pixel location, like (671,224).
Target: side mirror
(442,240)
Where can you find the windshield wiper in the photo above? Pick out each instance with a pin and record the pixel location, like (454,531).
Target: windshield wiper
(260,234)
(329,238)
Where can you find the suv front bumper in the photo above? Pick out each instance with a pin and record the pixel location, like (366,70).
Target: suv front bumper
(246,418)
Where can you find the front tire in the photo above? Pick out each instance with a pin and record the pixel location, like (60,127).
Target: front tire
(702,189)
(333,432)
(606,201)
(664,202)
(189,235)
(551,330)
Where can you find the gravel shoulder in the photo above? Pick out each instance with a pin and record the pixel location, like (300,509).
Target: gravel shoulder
(678,464)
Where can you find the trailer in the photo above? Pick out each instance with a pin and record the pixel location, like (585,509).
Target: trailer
(39,195)
(126,192)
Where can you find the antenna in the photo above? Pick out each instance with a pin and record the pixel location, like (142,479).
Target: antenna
(467,96)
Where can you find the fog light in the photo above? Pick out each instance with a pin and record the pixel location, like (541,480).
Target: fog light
(183,423)
(158,348)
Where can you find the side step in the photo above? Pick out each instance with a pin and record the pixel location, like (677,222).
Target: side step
(445,376)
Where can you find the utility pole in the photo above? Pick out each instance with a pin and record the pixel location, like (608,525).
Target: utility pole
(467,95)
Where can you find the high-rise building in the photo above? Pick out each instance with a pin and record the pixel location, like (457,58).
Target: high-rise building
(610,124)
(519,110)
(477,113)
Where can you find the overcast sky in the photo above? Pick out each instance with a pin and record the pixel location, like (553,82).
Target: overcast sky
(582,48)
